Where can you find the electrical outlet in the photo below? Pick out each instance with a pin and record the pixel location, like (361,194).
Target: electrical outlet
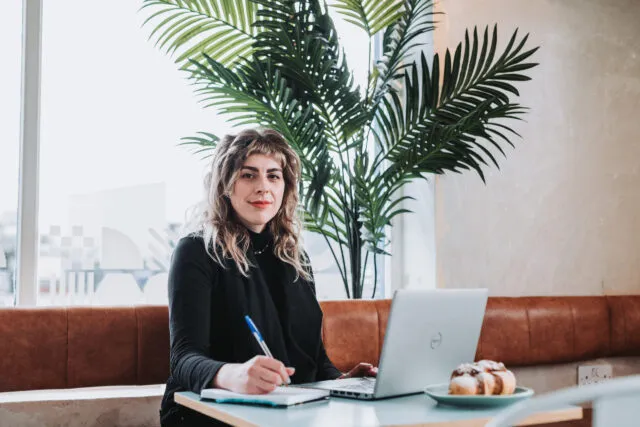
(593,374)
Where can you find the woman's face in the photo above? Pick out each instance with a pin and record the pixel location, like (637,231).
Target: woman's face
(257,193)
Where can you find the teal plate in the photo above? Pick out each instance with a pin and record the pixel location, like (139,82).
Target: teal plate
(440,393)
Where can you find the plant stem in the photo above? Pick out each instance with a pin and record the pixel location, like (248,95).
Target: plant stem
(366,94)
(375,274)
(364,270)
(343,271)
(355,245)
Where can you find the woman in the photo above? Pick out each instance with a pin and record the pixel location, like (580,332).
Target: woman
(245,258)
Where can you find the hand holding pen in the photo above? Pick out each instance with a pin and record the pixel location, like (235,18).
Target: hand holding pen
(263,345)
(260,375)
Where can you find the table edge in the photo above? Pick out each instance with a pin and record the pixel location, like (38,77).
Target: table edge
(212,412)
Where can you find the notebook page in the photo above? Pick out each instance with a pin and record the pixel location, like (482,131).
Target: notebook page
(280,396)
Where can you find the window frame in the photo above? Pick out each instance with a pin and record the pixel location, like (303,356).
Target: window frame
(26,288)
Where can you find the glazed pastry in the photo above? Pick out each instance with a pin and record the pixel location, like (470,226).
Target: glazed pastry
(464,384)
(490,365)
(465,380)
(505,380)
(486,383)
(485,377)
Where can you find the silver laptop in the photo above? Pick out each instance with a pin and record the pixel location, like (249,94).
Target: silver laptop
(430,332)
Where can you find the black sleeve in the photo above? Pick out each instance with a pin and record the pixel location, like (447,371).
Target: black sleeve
(326,371)
(191,278)
(326,368)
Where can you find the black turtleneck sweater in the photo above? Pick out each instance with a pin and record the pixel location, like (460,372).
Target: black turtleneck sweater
(271,268)
(207,305)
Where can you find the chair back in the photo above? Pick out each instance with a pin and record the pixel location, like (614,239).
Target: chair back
(615,403)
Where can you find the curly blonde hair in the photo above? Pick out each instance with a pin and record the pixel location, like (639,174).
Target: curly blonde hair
(215,219)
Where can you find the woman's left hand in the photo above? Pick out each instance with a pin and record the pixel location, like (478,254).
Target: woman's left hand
(361,370)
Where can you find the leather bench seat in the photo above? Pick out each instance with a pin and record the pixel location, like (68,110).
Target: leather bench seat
(543,339)
(519,331)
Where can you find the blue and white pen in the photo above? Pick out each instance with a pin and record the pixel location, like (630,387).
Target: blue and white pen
(258,336)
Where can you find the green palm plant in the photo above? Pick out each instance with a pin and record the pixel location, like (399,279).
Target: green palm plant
(278,63)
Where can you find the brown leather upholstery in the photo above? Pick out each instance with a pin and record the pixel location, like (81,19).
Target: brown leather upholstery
(76,347)
(153,344)
(625,325)
(526,331)
(102,345)
(33,349)
(351,332)
(45,348)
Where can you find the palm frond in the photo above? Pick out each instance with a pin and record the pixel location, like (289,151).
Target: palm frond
(221,29)
(304,45)
(452,123)
(203,142)
(257,93)
(379,203)
(370,15)
(398,41)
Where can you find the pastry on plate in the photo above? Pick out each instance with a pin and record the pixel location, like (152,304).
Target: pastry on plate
(485,377)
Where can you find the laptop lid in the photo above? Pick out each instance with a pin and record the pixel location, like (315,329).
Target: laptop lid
(429,333)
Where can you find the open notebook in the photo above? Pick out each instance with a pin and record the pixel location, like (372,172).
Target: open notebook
(281,396)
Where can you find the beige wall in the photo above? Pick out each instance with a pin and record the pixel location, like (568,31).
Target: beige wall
(562,216)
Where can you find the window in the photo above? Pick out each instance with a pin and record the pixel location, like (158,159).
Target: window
(10,75)
(114,185)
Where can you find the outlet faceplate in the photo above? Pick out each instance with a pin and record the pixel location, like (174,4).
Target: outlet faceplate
(593,374)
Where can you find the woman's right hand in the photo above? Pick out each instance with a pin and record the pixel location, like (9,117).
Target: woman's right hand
(259,375)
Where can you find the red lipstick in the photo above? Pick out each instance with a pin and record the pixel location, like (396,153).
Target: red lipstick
(262,204)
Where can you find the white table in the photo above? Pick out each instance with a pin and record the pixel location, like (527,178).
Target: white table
(416,410)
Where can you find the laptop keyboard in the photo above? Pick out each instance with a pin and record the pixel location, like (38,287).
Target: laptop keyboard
(364,385)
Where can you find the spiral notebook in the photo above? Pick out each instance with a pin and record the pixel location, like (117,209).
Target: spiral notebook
(280,397)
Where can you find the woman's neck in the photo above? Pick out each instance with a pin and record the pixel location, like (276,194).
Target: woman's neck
(260,240)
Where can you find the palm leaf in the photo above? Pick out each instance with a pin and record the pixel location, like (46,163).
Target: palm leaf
(221,29)
(433,128)
(398,41)
(257,93)
(304,44)
(204,142)
(452,123)
(370,15)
